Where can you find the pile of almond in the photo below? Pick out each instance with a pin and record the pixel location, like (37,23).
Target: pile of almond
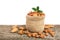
(36,12)
(22,30)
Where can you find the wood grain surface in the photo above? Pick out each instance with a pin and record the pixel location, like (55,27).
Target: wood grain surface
(5,34)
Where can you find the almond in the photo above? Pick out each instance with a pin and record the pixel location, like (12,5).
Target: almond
(46,26)
(46,34)
(41,14)
(46,31)
(49,30)
(21,28)
(52,33)
(29,34)
(39,33)
(35,14)
(20,32)
(34,34)
(49,25)
(26,32)
(42,36)
(37,36)
(14,30)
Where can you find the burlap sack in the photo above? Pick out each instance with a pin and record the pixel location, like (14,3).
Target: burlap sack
(35,23)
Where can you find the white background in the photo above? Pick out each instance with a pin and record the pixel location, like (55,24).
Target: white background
(14,11)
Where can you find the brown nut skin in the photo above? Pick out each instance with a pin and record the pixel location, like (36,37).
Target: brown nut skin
(46,27)
(37,36)
(42,36)
(46,31)
(30,14)
(52,26)
(46,34)
(49,26)
(26,32)
(14,30)
(49,30)
(35,14)
(29,34)
(39,33)
(34,34)
(52,34)
(21,28)
(20,32)
(42,15)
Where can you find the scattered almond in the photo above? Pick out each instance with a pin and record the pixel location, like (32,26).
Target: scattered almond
(34,34)
(26,32)
(39,33)
(29,34)
(20,32)
(46,31)
(52,34)
(42,36)
(49,26)
(46,34)
(37,36)
(49,30)
(14,30)
(21,28)
(46,26)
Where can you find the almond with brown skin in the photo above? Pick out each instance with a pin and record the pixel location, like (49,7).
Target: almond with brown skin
(46,34)
(20,32)
(42,36)
(39,33)
(46,26)
(29,34)
(26,32)
(49,26)
(14,30)
(37,36)
(42,14)
(35,14)
(31,14)
(52,33)
(49,30)
(34,34)
(21,28)
(46,31)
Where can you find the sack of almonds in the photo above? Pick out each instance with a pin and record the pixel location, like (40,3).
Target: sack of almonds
(35,20)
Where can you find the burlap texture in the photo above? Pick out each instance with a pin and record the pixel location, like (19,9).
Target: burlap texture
(35,23)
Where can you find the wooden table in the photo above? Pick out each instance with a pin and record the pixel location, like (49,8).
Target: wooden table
(5,34)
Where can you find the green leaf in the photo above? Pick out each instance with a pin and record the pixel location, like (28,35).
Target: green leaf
(34,9)
(37,7)
(40,11)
